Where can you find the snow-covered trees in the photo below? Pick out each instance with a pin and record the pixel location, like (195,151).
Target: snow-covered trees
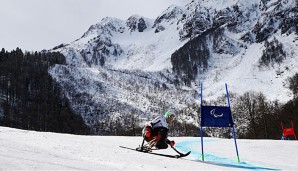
(293,84)
(273,53)
(30,99)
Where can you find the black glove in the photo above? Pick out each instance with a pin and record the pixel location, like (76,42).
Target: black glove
(171,143)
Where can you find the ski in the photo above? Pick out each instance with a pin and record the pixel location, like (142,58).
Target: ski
(158,154)
(181,154)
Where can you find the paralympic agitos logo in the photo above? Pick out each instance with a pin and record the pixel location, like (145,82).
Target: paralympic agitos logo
(212,112)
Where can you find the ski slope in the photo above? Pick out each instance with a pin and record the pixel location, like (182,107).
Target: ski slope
(30,150)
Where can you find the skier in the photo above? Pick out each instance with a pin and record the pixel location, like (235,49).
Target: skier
(285,138)
(156,132)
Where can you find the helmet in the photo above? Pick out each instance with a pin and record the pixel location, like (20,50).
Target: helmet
(168,114)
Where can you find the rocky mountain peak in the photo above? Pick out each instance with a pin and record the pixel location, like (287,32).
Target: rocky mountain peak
(171,13)
(107,26)
(137,23)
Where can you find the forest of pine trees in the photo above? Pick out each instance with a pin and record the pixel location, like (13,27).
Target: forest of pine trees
(30,99)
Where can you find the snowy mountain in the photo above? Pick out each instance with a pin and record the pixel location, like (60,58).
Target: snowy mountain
(142,66)
(30,150)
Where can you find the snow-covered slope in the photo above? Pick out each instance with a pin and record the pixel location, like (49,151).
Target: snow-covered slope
(30,150)
(143,65)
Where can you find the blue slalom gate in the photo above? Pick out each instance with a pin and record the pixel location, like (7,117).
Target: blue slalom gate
(216,116)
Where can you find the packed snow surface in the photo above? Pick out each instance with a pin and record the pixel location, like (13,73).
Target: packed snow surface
(30,150)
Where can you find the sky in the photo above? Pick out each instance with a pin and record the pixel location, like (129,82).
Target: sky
(42,24)
(30,150)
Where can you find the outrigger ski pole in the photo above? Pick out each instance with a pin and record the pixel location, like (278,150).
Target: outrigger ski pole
(142,147)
